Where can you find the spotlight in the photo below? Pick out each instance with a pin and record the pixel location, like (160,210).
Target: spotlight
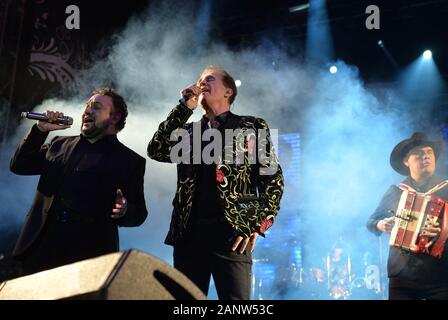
(298,8)
(333,69)
(427,54)
(381,44)
(238,83)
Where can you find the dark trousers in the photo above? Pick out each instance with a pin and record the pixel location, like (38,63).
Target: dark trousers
(61,243)
(207,252)
(411,290)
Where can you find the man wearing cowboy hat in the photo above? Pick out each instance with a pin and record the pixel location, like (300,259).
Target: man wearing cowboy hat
(413,275)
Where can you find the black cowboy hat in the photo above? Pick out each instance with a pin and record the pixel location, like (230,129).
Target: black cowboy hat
(400,151)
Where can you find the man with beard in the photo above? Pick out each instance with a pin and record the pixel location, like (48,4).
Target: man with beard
(415,275)
(220,206)
(89,185)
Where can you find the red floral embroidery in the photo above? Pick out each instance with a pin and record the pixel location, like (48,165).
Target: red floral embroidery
(219,175)
(265,225)
(249,144)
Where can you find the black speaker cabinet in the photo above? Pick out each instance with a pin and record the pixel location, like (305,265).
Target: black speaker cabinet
(129,275)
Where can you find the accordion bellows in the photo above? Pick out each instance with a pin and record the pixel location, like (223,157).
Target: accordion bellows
(416,211)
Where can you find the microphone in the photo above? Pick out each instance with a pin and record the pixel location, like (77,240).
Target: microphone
(189,93)
(186,97)
(65,120)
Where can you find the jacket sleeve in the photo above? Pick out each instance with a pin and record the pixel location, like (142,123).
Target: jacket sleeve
(388,202)
(159,148)
(270,182)
(133,191)
(29,158)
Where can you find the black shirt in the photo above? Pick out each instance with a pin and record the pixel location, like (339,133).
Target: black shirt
(206,207)
(82,187)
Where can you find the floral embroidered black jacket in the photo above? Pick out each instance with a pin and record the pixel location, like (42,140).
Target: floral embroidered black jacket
(249,191)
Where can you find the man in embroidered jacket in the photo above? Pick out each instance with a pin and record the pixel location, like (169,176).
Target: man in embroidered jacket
(220,208)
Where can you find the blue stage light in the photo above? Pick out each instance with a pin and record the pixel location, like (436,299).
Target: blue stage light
(427,54)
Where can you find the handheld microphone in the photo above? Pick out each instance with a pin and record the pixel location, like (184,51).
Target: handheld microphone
(186,97)
(189,93)
(65,120)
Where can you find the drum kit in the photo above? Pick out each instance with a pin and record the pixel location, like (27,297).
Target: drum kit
(281,271)
(334,281)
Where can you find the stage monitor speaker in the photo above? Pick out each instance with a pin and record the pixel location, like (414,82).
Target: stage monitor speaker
(128,275)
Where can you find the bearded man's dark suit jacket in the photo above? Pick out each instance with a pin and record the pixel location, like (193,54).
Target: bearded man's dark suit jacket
(73,167)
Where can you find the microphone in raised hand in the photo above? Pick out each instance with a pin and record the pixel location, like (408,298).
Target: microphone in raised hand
(189,96)
(49,120)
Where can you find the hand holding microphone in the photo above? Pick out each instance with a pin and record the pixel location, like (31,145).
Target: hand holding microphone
(190,96)
(49,120)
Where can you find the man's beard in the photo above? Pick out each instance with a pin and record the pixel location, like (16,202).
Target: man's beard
(93,131)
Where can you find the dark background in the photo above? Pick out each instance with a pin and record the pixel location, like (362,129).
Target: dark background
(407,29)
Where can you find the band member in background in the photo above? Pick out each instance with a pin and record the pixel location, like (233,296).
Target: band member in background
(89,185)
(219,208)
(339,271)
(331,277)
(413,275)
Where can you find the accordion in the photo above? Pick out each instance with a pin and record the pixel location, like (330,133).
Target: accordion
(416,211)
